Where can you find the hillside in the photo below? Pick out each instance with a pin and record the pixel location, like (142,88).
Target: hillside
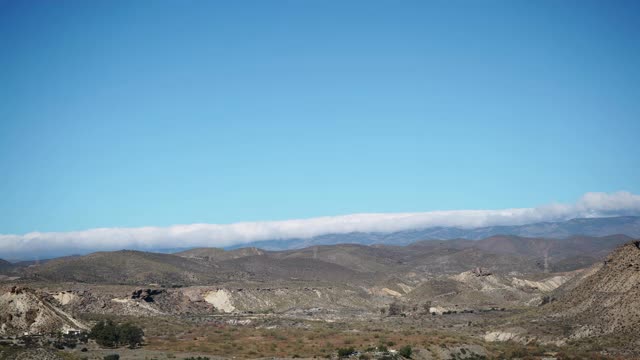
(5,265)
(217,254)
(497,253)
(267,268)
(607,301)
(353,256)
(136,267)
(556,254)
(126,267)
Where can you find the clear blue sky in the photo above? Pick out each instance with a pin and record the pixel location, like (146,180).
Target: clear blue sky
(132,113)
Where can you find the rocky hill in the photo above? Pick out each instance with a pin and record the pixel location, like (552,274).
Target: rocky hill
(24,310)
(607,301)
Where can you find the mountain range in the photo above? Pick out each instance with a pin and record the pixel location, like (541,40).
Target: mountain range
(327,263)
(624,225)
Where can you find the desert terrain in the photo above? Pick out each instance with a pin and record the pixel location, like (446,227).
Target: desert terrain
(503,296)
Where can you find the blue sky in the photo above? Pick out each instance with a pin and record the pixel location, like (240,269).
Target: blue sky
(124,114)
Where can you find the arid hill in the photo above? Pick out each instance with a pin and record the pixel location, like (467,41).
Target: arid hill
(497,253)
(126,267)
(608,300)
(557,254)
(24,310)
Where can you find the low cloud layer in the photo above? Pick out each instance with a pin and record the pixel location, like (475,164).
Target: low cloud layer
(181,236)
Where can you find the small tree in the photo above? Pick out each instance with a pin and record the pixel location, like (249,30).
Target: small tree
(108,334)
(130,334)
(105,333)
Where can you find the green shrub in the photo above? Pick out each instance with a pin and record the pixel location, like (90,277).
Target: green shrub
(112,357)
(405,351)
(344,352)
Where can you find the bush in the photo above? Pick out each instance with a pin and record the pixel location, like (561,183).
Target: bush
(112,357)
(395,309)
(108,334)
(405,351)
(344,352)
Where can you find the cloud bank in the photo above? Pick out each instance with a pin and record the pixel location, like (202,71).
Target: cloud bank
(592,204)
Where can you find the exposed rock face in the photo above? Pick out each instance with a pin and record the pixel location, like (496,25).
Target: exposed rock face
(220,299)
(65,297)
(478,271)
(23,310)
(146,294)
(608,301)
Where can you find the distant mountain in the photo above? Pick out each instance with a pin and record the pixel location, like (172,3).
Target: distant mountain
(499,253)
(5,265)
(329,263)
(217,254)
(624,225)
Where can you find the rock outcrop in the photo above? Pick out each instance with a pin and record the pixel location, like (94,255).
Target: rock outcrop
(26,311)
(146,294)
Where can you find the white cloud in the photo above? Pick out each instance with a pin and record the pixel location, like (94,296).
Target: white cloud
(589,205)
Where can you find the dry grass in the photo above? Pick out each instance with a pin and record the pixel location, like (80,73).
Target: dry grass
(309,339)
(312,340)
